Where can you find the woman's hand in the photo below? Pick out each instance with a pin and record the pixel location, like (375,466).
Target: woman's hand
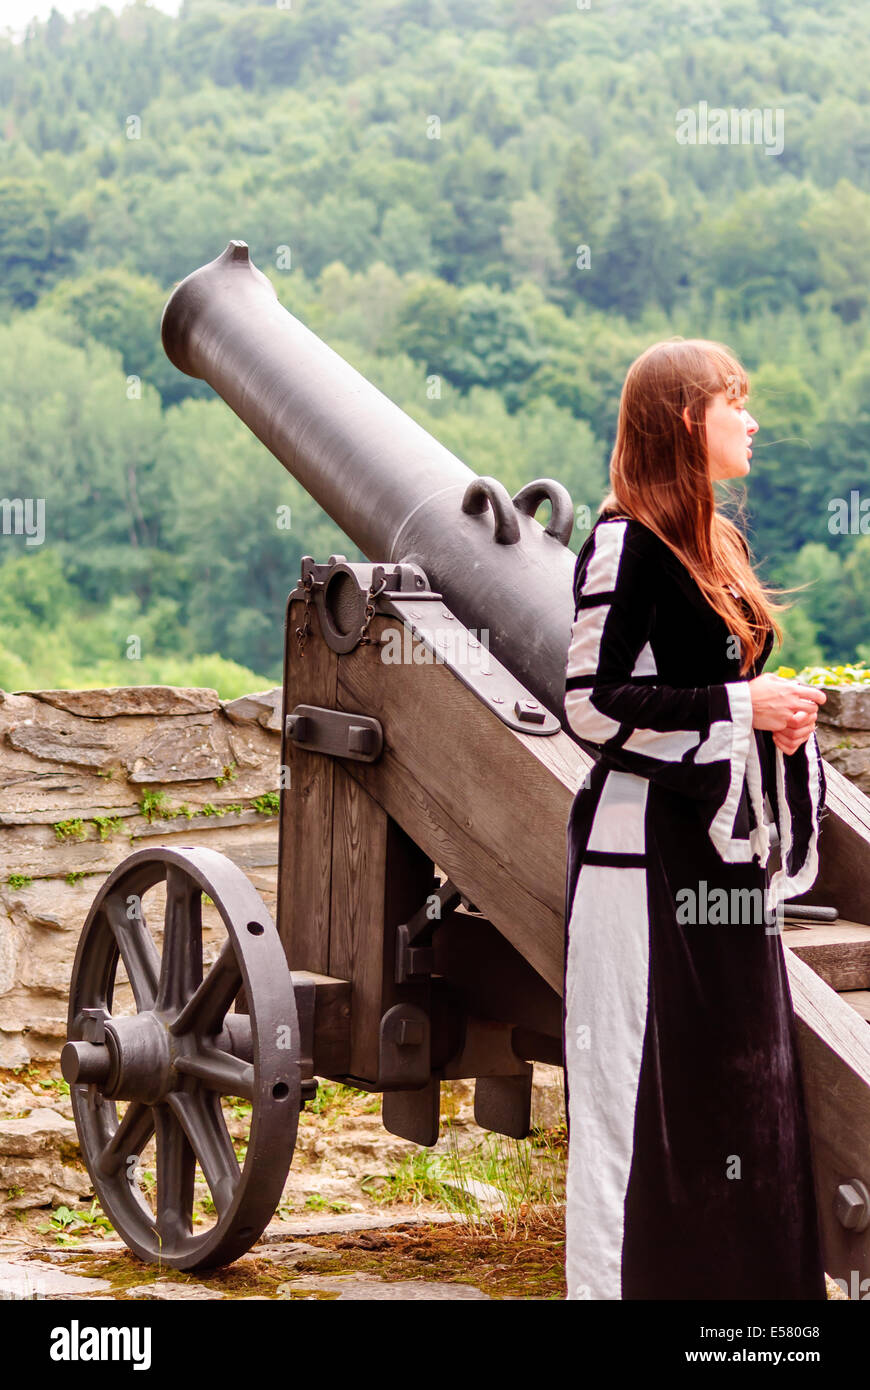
(785,707)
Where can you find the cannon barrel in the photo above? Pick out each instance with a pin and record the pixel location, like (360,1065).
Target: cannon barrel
(395,491)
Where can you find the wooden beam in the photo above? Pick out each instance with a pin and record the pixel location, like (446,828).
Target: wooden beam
(859,1000)
(488,804)
(305,836)
(356,942)
(839,952)
(844,850)
(834,1046)
(380,877)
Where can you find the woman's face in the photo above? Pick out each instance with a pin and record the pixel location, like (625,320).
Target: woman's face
(730,428)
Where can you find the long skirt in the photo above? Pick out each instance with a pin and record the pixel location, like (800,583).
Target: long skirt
(689,1171)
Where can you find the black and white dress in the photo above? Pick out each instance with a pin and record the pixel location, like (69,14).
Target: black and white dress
(689,1171)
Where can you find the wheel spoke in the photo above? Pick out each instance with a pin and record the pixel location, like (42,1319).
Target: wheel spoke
(181,967)
(138,952)
(179,1062)
(129,1139)
(219,1071)
(202,1119)
(205,1011)
(176,1165)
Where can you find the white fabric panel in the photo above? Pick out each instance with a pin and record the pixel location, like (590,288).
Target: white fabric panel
(717,746)
(607,982)
(646,662)
(731,742)
(586,720)
(603,565)
(759,838)
(781,886)
(620,817)
(666,745)
(744,765)
(583,656)
(584,648)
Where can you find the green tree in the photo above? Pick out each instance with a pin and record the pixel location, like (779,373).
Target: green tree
(581,200)
(37,239)
(638,260)
(123,311)
(841,231)
(530,245)
(821,568)
(495,342)
(784,478)
(760,250)
(852,606)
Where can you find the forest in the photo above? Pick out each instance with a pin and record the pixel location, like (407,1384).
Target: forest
(483,205)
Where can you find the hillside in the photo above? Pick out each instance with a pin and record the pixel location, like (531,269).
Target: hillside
(419,179)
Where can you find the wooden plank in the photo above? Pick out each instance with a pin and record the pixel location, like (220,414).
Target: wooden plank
(537,932)
(839,952)
(305,837)
(846,800)
(379,879)
(330,1043)
(844,850)
(834,1045)
(859,1000)
(356,943)
(489,805)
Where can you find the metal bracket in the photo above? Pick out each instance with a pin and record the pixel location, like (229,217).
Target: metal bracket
(415,954)
(503,1104)
(335,733)
(432,633)
(340,591)
(305,993)
(404,1048)
(441,637)
(414,1115)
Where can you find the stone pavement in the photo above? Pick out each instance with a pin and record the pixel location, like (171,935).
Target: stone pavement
(61,1274)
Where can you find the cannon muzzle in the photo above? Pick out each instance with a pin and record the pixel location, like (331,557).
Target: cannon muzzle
(395,491)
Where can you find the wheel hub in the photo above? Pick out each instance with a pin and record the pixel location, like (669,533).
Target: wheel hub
(182,1051)
(133,1060)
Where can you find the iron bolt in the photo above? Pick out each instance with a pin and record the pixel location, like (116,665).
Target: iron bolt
(852,1205)
(93,1026)
(410,1033)
(360,739)
(529,711)
(85,1063)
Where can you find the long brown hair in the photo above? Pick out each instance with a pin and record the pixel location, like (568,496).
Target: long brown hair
(660,475)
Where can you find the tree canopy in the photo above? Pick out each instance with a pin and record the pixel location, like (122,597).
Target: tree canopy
(488,195)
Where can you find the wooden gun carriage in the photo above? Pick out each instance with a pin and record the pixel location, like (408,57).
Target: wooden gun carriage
(423,729)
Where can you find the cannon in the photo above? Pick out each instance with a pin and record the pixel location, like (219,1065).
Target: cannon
(429,775)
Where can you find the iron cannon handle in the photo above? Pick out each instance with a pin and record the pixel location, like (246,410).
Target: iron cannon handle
(489,492)
(530,497)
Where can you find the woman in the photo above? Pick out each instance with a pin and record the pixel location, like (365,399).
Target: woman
(689,1169)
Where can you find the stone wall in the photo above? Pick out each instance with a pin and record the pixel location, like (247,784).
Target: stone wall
(843,731)
(88,776)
